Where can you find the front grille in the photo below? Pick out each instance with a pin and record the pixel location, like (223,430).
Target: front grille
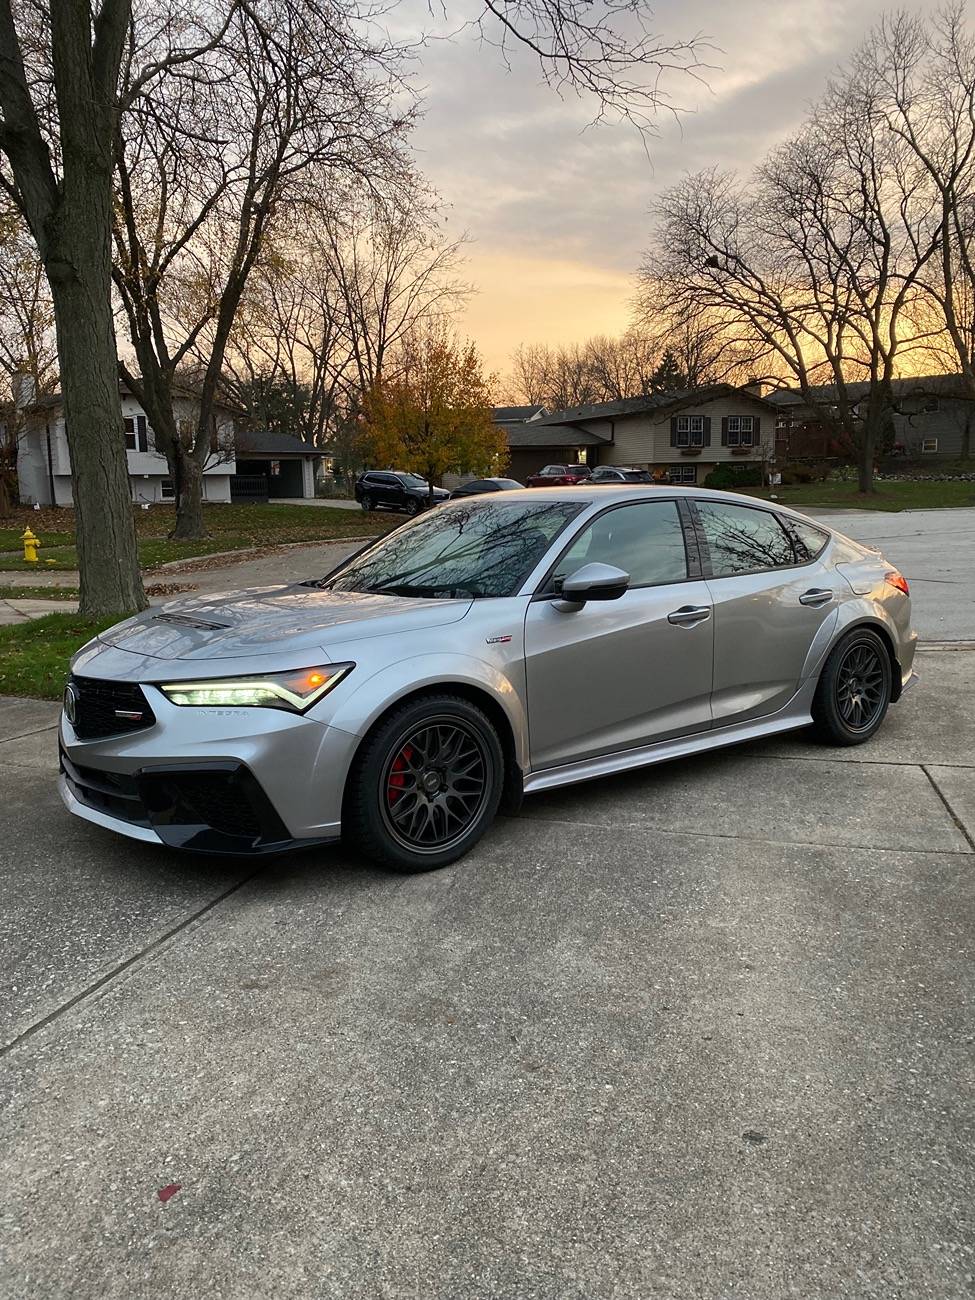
(101,708)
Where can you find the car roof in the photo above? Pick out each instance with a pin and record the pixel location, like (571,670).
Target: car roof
(652,492)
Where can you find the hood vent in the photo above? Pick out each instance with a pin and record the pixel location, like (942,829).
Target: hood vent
(187,620)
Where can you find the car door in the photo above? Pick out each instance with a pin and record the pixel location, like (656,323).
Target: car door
(612,675)
(768,607)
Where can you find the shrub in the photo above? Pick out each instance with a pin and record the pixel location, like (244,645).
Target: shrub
(734,476)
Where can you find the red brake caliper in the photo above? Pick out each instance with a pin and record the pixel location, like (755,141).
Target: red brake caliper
(397,775)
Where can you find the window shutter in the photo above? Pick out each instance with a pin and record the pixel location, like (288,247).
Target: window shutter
(142,441)
(673,430)
(724,431)
(707,431)
(756,431)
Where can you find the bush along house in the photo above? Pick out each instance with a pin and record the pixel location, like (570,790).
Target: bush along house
(682,437)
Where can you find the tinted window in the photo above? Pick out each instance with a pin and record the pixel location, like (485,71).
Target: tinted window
(484,546)
(807,539)
(644,539)
(553,469)
(742,539)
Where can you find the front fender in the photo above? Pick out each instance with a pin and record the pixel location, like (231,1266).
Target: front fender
(356,710)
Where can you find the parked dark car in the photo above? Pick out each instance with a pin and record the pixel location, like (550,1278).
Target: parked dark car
(394,490)
(619,474)
(479,485)
(558,476)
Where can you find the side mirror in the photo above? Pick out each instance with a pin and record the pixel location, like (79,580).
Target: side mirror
(591,582)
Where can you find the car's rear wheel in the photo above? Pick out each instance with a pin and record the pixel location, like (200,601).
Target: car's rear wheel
(366,502)
(854,690)
(425,785)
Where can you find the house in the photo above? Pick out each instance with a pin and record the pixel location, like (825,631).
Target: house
(933,417)
(681,436)
(44,469)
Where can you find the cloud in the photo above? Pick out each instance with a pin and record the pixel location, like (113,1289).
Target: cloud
(535,188)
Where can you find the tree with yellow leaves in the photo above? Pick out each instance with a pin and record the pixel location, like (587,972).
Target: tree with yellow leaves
(430,413)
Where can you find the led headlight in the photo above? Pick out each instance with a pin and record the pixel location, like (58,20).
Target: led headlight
(295,691)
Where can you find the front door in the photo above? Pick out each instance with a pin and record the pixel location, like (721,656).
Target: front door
(767,609)
(618,674)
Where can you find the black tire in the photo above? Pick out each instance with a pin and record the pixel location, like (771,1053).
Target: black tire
(391,791)
(366,502)
(854,689)
(413,506)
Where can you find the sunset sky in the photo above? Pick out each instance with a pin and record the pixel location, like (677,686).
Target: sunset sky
(557,214)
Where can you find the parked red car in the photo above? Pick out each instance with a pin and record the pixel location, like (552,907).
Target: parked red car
(558,476)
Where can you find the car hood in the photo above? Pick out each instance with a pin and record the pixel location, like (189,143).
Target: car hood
(274,620)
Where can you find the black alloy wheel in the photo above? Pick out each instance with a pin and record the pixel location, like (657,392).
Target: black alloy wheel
(435,785)
(861,686)
(425,785)
(412,506)
(366,502)
(854,690)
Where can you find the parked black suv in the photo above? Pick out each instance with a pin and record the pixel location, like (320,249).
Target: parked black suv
(386,489)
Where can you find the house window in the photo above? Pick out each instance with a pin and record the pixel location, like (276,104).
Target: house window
(136,433)
(682,474)
(740,430)
(690,431)
(931,404)
(929,444)
(167,489)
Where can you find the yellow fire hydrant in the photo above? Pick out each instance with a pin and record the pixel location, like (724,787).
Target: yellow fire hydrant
(31,543)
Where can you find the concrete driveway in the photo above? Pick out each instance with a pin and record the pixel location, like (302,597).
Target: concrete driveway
(702,1032)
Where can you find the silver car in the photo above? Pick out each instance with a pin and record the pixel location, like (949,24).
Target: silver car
(495,647)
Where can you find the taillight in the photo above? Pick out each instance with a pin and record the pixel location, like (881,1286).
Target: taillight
(896,579)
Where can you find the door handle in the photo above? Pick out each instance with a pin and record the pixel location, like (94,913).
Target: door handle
(816,596)
(688,615)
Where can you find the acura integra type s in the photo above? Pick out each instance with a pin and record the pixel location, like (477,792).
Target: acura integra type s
(494,647)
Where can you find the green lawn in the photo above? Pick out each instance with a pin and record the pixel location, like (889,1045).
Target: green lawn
(34,656)
(914,494)
(229,528)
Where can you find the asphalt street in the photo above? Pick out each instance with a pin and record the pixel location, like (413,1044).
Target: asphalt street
(705,1032)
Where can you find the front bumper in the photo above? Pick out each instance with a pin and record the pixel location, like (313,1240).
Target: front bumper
(228,780)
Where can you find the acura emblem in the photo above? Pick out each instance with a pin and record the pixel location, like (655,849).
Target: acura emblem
(70,703)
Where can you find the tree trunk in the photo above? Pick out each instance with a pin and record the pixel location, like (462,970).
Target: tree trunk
(189,496)
(79,275)
(865,447)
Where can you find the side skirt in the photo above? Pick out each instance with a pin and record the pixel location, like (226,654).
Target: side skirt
(590,769)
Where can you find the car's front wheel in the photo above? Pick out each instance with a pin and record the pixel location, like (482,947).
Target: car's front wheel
(425,785)
(413,506)
(854,690)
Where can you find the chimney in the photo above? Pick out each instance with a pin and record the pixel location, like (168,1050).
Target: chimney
(24,389)
(754,386)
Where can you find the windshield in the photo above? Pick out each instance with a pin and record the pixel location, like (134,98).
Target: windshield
(470,549)
(414,480)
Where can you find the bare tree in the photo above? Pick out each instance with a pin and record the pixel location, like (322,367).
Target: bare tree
(810,270)
(286,99)
(59,72)
(329,303)
(923,73)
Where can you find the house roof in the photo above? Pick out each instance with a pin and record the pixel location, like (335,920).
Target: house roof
(511,414)
(538,433)
(51,401)
(650,402)
(253,443)
(907,386)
